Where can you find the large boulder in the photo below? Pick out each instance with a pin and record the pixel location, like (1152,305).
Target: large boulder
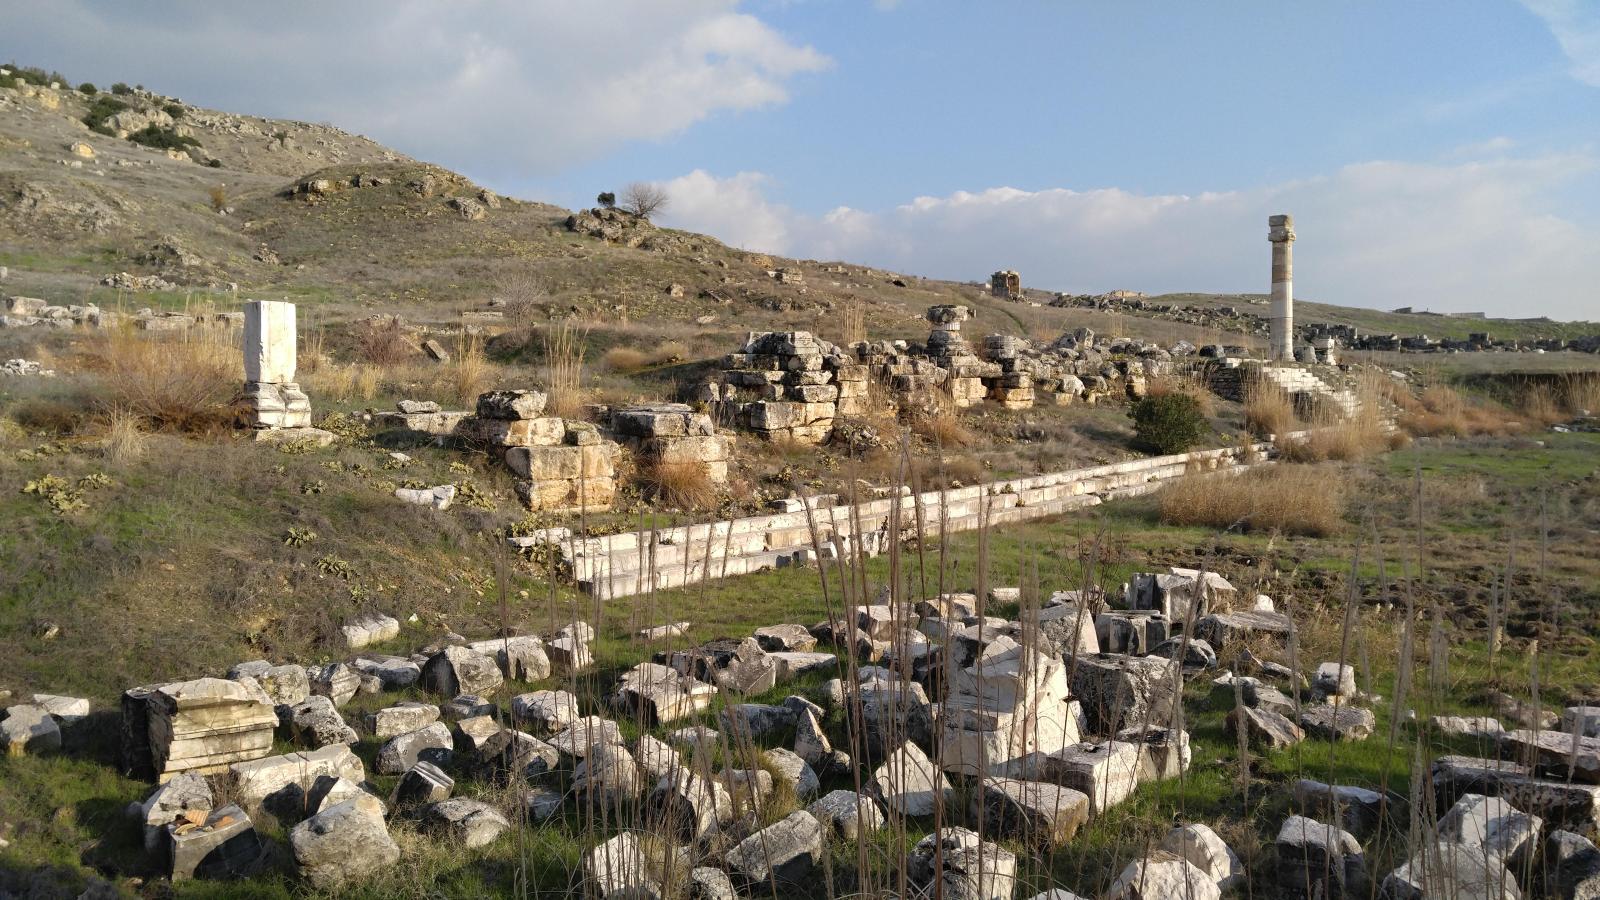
(1337,723)
(402,718)
(789,769)
(1446,870)
(1263,730)
(1207,852)
(29,730)
(345,842)
(1502,830)
(545,712)
(316,722)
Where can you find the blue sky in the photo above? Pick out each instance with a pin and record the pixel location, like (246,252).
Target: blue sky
(1437,154)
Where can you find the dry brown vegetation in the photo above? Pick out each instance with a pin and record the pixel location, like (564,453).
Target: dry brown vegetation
(180,384)
(563,364)
(384,343)
(681,485)
(1268,410)
(1191,385)
(632,359)
(942,428)
(1294,499)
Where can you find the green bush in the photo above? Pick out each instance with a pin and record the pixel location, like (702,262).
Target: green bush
(101,109)
(174,110)
(121,88)
(162,138)
(1170,423)
(88,88)
(215,163)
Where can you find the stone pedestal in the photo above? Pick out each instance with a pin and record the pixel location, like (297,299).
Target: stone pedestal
(271,399)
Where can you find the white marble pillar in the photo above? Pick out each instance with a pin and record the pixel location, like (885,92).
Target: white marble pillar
(1280,231)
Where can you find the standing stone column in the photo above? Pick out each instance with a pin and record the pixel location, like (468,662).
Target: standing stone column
(271,399)
(1280,231)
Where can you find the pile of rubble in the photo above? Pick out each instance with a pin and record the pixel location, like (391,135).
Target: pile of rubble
(1019,730)
(793,385)
(24,367)
(787,384)
(563,465)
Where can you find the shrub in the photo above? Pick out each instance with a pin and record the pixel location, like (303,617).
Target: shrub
(180,385)
(219,197)
(644,199)
(121,89)
(1189,385)
(606,199)
(384,344)
(88,88)
(563,361)
(162,138)
(214,163)
(101,109)
(942,428)
(1307,500)
(1171,423)
(175,110)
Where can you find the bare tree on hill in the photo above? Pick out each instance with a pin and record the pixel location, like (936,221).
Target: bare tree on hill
(644,199)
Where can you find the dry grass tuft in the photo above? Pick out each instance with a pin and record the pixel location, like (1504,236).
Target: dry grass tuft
(1268,410)
(942,428)
(681,484)
(632,359)
(853,322)
(1191,385)
(1440,411)
(125,439)
(563,360)
(180,384)
(219,197)
(1306,500)
(470,371)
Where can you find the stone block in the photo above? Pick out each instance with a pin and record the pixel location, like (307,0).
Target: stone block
(344,842)
(1039,813)
(222,845)
(511,405)
(208,724)
(784,852)
(269,341)
(955,863)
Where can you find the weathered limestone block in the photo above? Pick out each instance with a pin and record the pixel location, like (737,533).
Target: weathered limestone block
(285,685)
(29,730)
(1163,752)
(1445,869)
(569,654)
(1264,730)
(1317,860)
(1207,852)
(1563,805)
(564,463)
(1356,810)
(1342,723)
(511,405)
(1555,754)
(689,806)
(1107,773)
(392,672)
(1222,629)
(185,797)
(330,790)
(1163,876)
(1009,702)
(1572,866)
(370,629)
(1119,692)
(315,722)
(459,670)
(1335,680)
(622,869)
(1069,630)
(1471,726)
(788,768)
(784,852)
(208,724)
(346,842)
(659,694)
(957,865)
(470,823)
(1495,826)
(420,785)
(521,658)
(706,883)
(909,783)
(785,639)
(846,814)
(1039,813)
(278,784)
(222,845)
(583,735)
(402,718)
(1585,719)
(607,776)
(432,743)
(754,721)
(545,712)
(543,431)
(894,712)
(336,681)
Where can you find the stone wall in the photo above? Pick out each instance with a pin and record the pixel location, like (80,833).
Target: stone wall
(634,563)
(562,465)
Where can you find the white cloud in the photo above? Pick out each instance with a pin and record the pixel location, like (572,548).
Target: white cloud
(1474,235)
(497,87)
(1576,25)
